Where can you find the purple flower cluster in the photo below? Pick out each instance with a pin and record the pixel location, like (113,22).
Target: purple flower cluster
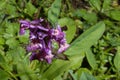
(42,38)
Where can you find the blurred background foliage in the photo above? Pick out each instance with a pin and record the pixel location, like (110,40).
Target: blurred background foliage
(92,29)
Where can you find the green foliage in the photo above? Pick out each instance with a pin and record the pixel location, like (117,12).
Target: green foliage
(58,66)
(92,30)
(30,9)
(80,71)
(91,59)
(10,42)
(2,41)
(3,75)
(114,14)
(86,76)
(54,11)
(76,53)
(95,4)
(24,38)
(91,36)
(90,17)
(106,5)
(71,27)
(116,59)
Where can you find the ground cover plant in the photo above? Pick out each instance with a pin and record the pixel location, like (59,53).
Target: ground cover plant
(59,39)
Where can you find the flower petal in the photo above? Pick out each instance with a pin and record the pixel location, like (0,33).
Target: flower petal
(63,48)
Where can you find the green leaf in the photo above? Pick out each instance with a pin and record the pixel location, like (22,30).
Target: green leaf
(4,75)
(25,72)
(90,17)
(15,55)
(95,4)
(76,60)
(30,9)
(24,38)
(54,11)
(59,66)
(10,10)
(70,33)
(106,5)
(91,59)
(3,63)
(12,28)
(86,76)
(73,75)
(2,41)
(2,58)
(86,40)
(114,14)
(59,78)
(12,43)
(75,52)
(7,36)
(116,59)
(79,13)
(3,4)
(80,71)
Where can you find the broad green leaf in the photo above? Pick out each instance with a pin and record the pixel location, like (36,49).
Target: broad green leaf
(106,5)
(86,76)
(91,59)
(79,13)
(54,11)
(73,75)
(86,40)
(114,14)
(90,17)
(76,60)
(3,4)
(80,71)
(58,67)
(95,4)
(70,33)
(117,58)
(4,75)
(59,78)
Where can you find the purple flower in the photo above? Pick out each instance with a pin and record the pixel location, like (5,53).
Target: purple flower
(63,47)
(23,25)
(34,47)
(41,37)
